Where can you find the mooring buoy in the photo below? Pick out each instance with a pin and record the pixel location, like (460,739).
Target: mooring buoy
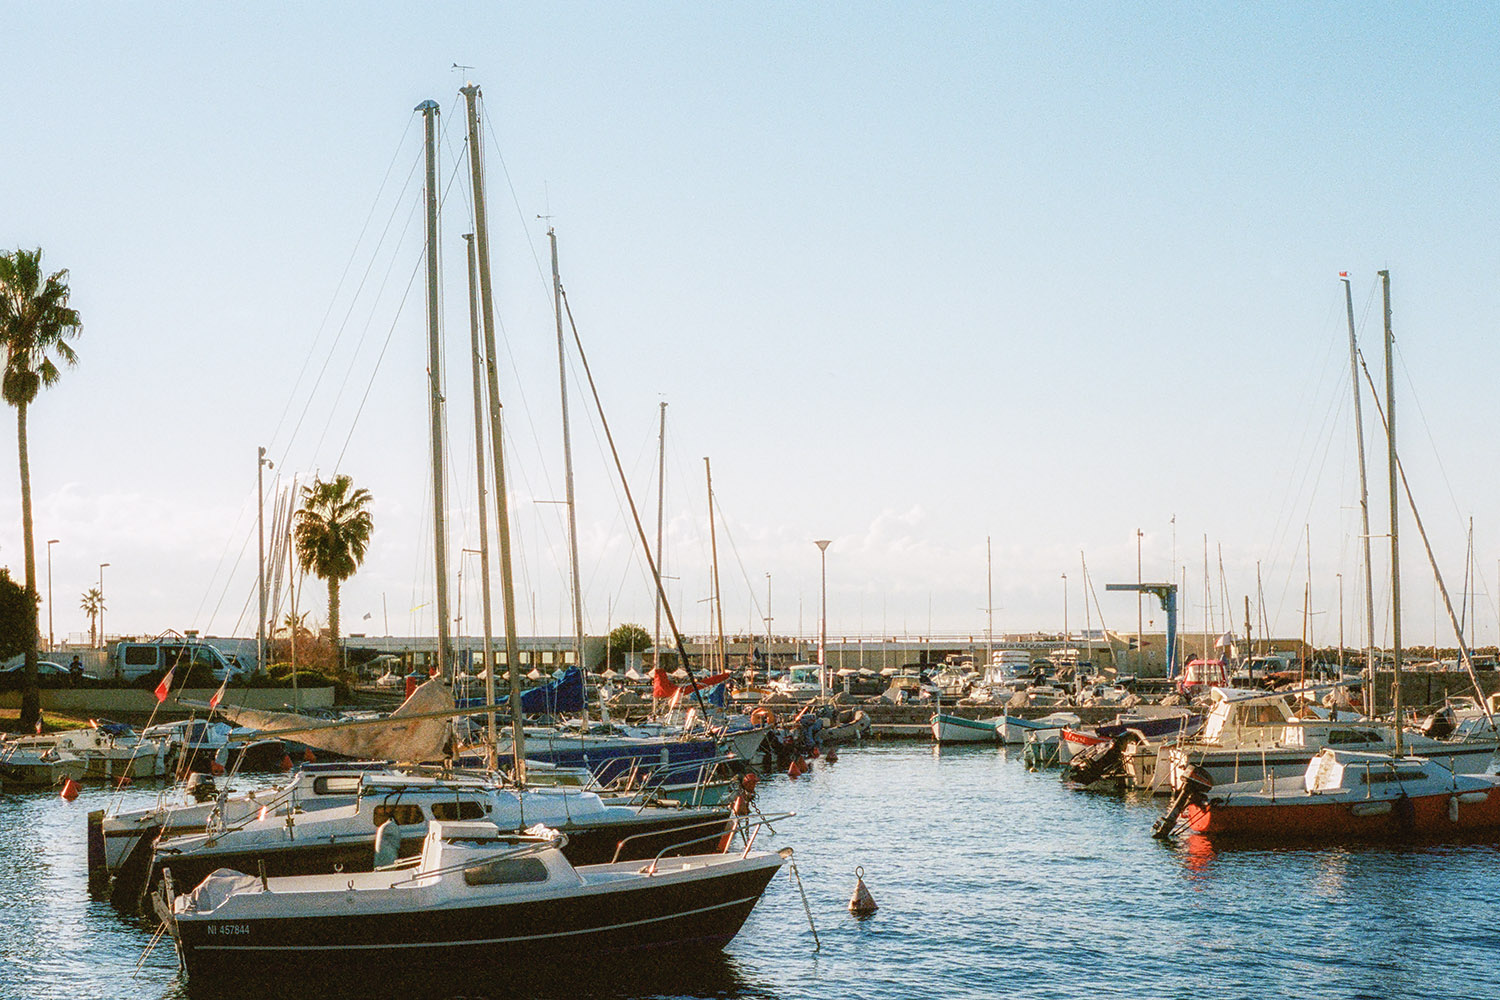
(861,904)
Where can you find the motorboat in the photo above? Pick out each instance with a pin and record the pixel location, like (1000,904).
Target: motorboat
(109,751)
(957,729)
(201,746)
(1013,729)
(1346,794)
(477,897)
(351,837)
(1251,735)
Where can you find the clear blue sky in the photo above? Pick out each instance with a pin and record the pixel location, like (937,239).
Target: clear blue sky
(911,275)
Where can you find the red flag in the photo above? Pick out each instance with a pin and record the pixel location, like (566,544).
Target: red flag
(219,694)
(1343,274)
(164,686)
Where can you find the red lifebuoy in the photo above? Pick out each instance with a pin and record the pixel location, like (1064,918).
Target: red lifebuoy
(763,717)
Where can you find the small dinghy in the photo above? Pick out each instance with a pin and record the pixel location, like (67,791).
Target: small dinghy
(476,898)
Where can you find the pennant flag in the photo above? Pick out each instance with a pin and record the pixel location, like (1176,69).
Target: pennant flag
(219,694)
(1343,274)
(164,686)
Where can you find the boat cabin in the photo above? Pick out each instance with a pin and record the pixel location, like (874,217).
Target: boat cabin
(1201,675)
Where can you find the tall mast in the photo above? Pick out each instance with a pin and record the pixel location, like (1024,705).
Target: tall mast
(260,533)
(1364,508)
(1390,437)
(476,365)
(429,111)
(713,544)
(989,604)
(562,382)
(661,497)
(497,436)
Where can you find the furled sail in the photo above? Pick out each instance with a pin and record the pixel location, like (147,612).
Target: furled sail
(392,738)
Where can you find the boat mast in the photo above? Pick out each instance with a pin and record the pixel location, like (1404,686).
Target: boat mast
(1364,507)
(497,436)
(260,533)
(713,544)
(661,499)
(989,604)
(429,111)
(562,382)
(1390,437)
(476,365)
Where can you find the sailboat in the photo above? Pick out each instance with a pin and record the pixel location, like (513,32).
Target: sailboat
(1345,793)
(476,894)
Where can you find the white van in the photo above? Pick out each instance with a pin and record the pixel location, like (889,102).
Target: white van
(132,660)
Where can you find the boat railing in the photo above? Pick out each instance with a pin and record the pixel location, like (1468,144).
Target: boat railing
(645,784)
(749,828)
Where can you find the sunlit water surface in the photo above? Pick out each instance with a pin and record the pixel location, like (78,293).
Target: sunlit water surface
(992,881)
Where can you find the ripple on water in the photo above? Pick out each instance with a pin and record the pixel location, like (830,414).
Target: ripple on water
(991,881)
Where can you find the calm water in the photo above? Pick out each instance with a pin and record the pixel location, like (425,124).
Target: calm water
(992,881)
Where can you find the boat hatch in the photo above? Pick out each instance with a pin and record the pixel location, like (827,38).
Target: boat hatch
(336,784)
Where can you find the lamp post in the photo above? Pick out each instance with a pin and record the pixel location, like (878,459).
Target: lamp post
(822,545)
(50,642)
(102,643)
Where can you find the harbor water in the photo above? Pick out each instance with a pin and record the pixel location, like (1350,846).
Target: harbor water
(991,881)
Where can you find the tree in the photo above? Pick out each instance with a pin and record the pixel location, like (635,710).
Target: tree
(13,616)
(36,323)
(627,638)
(331,532)
(92,604)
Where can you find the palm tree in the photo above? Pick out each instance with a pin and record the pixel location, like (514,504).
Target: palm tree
(331,532)
(93,603)
(35,325)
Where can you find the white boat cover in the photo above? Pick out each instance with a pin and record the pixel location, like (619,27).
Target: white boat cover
(392,738)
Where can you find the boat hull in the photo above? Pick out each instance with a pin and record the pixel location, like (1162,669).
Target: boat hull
(663,911)
(1225,767)
(1426,816)
(956,729)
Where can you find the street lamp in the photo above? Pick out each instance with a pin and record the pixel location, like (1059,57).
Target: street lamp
(822,545)
(50,542)
(102,643)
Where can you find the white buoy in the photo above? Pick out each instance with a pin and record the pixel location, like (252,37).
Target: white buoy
(861,904)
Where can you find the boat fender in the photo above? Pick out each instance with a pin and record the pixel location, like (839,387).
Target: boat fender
(861,904)
(286,762)
(739,807)
(832,756)
(309,756)
(748,781)
(69,790)
(797,768)
(1453,808)
(387,844)
(1472,798)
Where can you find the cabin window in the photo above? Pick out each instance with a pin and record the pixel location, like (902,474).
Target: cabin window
(140,656)
(449,811)
(1267,715)
(507,871)
(569,658)
(404,815)
(1338,736)
(525,655)
(547,656)
(335,785)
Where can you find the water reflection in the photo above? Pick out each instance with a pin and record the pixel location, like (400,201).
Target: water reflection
(693,973)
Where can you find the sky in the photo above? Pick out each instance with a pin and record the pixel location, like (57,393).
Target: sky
(918,279)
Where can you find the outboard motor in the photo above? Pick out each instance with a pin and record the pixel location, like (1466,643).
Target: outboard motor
(201,787)
(1440,724)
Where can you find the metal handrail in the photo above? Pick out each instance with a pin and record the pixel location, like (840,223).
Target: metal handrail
(751,829)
